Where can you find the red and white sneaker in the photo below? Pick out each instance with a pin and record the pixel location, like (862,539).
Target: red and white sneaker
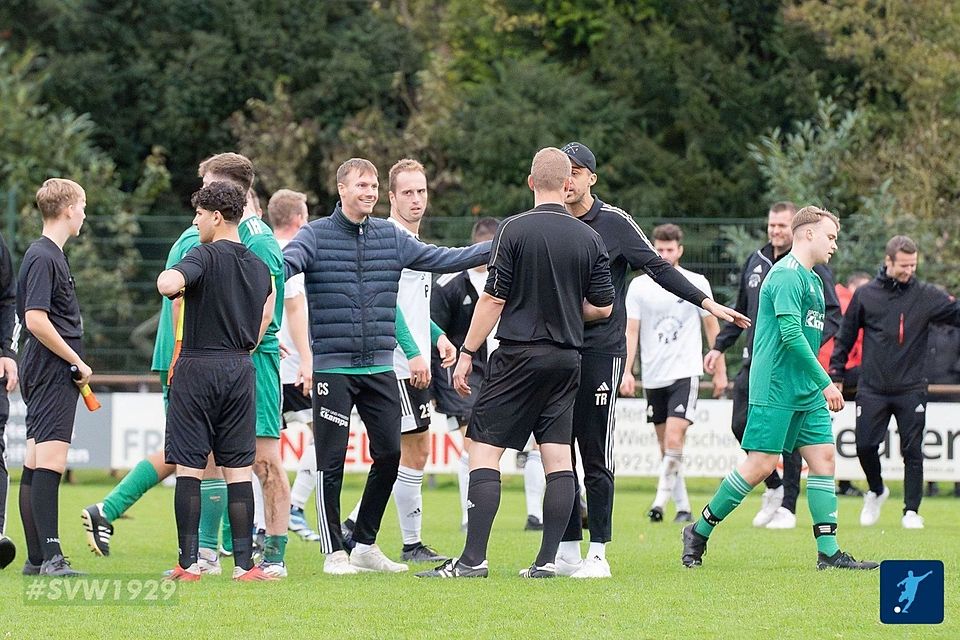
(254,574)
(179,574)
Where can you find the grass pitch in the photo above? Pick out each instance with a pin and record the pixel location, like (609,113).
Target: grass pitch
(754,583)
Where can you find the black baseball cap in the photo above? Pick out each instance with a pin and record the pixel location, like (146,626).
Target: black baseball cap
(581,155)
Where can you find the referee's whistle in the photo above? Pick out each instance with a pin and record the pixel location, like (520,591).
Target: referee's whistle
(89,398)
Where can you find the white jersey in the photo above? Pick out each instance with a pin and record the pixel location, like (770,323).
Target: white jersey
(671,343)
(478,279)
(413,300)
(290,366)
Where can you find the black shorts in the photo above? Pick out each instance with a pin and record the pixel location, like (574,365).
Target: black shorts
(527,389)
(414,407)
(296,406)
(679,400)
(49,392)
(212,408)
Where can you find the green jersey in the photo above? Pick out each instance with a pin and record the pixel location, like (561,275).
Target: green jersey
(163,347)
(784,371)
(258,237)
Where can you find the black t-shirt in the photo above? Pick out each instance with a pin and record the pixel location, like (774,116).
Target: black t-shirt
(543,263)
(45,283)
(226,287)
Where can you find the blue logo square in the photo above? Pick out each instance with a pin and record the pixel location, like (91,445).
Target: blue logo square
(911,592)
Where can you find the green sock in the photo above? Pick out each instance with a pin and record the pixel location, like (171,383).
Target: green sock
(213,502)
(822,499)
(731,493)
(226,533)
(141,479)
(274,547)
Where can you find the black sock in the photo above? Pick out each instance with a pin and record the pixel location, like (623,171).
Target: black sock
(558,499)
(34,552)
(574,529)
(483,500)
(240,511)
(45,499)
(773,481)
(870,462)
(4,486)
(186,507)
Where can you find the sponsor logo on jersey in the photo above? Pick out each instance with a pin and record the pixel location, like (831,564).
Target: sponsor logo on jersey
(814,319)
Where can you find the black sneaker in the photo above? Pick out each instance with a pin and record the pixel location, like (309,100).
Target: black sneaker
(694,546)
(533,524)
(30,569)
(842,560)
(683,516)
(421,553)
(933,490)
(8,551)
(98,529)
(454,569)
(346,530)
(850,491)
(548,570)
(655,514)
(58,566)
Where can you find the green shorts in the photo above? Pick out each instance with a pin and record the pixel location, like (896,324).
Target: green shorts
(776,430)
(267,367)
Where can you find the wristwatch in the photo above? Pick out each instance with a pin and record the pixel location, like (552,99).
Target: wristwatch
(463,349)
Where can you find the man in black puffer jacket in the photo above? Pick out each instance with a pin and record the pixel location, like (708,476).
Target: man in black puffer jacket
(352,263)
(895,311)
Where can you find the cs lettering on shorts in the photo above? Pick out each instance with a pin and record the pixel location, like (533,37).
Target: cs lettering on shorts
(323,388)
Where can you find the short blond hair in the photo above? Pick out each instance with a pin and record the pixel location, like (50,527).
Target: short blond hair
(284,206)
(407,164)
(812,215)
(360,165)
(56,194)
(550,169)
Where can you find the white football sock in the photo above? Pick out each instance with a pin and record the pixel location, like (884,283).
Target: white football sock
(668,477)
(569,550)
(259,517)
(534,484)
(680,497)
(463,476)
(303,483)
(597,550)
(408,495)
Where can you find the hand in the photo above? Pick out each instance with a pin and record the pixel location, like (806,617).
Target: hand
(726,313)
(628,385)
(710,361)
(834,398)
(461,374)
(839,386)
(720,384)
(448,352)
(419,373)
(85,373)
(305,377)
(8,368)
(284,351)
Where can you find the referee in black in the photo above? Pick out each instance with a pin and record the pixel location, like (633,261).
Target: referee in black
(227,303)
(602,359)
(548,274)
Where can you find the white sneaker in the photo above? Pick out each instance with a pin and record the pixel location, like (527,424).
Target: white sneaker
(274,569)
(566,567)
(338,564)
(770,501)
(871,507)
(373,560)
(593,567)
(208,562)
(783,519)
(912,520)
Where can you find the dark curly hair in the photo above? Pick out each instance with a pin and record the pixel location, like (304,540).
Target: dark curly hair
(225,197)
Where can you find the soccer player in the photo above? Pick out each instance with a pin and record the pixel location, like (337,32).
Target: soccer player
(548,273)
(408,203)
(671,351)
(8,382)
(790,394)
(288,212)
(228,301)
(452,303)
(780,497)
(48,309)
(604,348)
(352,262)
(895,311)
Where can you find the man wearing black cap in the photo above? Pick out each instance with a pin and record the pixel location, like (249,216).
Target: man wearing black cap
(602,359)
